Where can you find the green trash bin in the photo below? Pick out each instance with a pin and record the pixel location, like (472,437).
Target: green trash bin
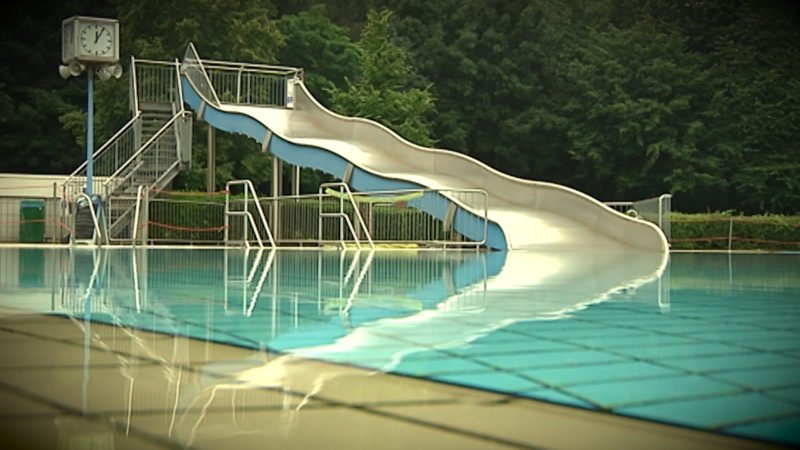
(31,228)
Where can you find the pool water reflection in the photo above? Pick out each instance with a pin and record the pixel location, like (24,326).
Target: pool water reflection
(708,341)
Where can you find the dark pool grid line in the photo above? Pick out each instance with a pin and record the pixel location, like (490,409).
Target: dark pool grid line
(705,319)
(672,334)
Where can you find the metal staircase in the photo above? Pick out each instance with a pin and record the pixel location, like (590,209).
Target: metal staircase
(150,150)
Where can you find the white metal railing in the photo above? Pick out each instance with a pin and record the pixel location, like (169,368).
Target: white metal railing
(245,213)
(151,81)
(98,232)
(155,82)
(194,71)
(141,195)
(106,159)
(656,210)
(252,84)
(423,217)
(147,151)
(446,217)
(161,148)
(325,189)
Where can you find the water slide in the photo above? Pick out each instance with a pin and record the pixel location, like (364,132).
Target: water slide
(522,214)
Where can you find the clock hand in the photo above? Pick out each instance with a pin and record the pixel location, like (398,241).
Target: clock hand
(98,34)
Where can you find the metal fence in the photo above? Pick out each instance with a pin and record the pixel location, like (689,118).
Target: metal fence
(656,210)
(421,217)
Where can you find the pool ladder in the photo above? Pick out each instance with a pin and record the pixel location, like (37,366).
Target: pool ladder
(246,215)
(341,191)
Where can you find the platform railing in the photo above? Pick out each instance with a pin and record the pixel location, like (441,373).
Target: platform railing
(247,84)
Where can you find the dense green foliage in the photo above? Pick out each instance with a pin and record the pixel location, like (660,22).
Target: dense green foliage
(622,99)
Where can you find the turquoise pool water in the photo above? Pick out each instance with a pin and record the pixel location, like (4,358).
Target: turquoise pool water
(708,341)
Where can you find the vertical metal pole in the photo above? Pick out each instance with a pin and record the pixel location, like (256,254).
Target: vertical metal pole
(277,191)
(89,130)
(295,180)
(211,160)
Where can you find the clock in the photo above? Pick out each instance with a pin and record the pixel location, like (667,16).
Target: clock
(90,39)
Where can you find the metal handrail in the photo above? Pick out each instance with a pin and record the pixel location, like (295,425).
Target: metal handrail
(181,106)
(252,67)
(191,54)
(144,147)
(248,185)
(95,219)
(140,193)
(343,188)
(103,148)
(134,87)
(450,195)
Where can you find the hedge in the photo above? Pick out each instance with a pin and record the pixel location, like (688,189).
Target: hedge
(716,231)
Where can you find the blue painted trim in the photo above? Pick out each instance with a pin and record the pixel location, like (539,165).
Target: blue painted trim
(465,222)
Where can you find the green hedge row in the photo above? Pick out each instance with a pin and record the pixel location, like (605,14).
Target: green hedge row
(716,231)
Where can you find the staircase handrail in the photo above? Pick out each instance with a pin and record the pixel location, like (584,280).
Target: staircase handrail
(134,87)
(144,147)
(99,152)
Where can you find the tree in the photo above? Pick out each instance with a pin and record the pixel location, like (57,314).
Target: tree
(755,111)
(41,115)
(634,97)
(322,49)
(382,91)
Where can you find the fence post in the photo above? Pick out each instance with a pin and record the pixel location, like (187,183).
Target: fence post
(730,234)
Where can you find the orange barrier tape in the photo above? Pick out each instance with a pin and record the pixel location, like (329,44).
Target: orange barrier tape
(56,220)
(64,226)
(190,194)
(179,228)
(764,241)
(736,219)
(735,238)
(716,238)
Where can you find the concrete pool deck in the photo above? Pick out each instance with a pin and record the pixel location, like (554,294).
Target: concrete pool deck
(68,384)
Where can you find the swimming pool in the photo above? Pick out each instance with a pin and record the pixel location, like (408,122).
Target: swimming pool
(707,341)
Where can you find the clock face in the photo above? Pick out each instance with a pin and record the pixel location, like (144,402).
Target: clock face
(96,40)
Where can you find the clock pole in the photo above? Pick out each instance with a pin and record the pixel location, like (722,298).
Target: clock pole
(90,44)
(90,131)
